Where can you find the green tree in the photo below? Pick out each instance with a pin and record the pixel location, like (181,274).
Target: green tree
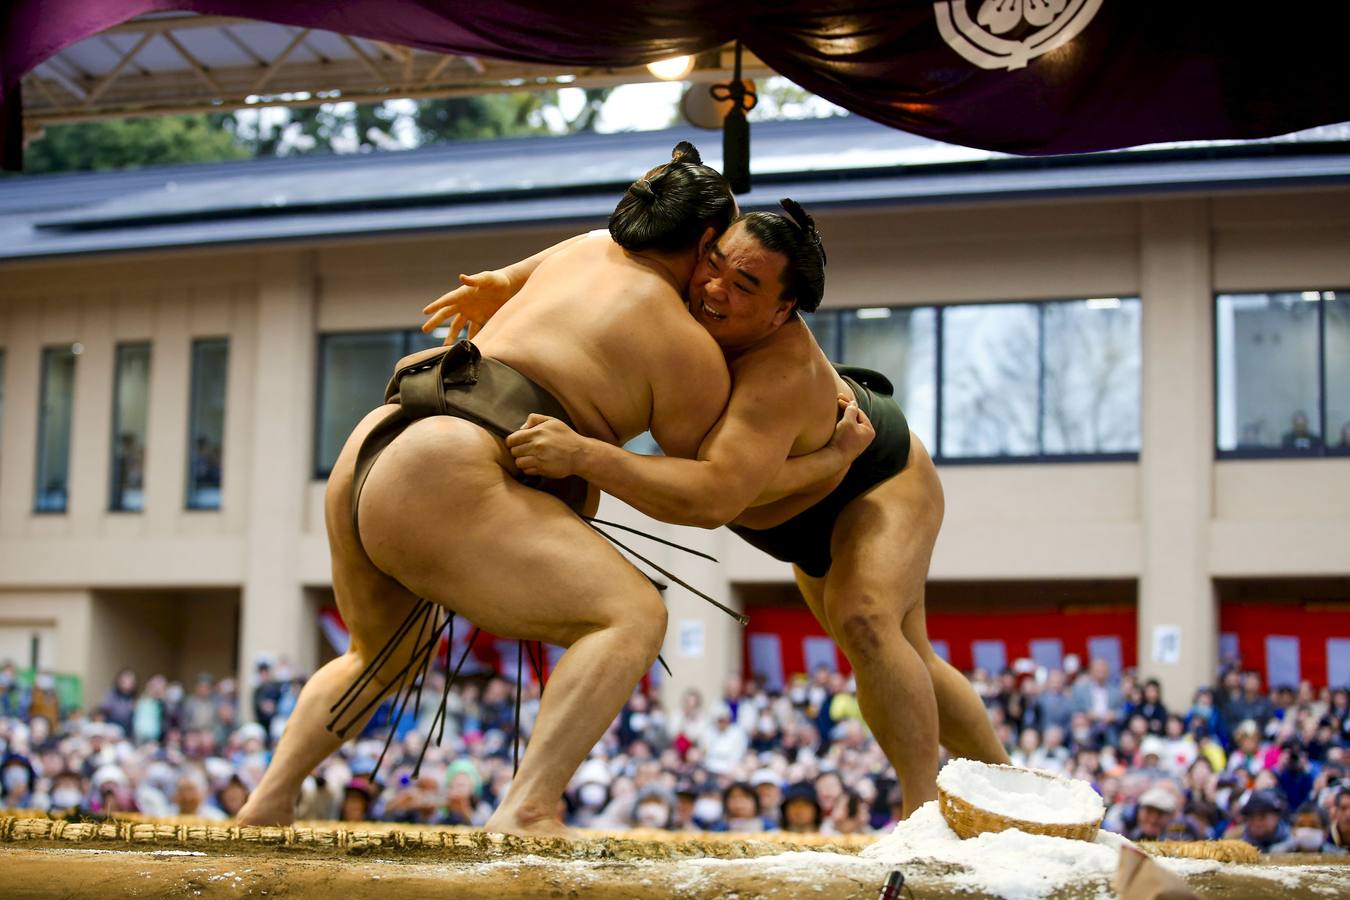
(322,129)
(782,99)
(131,143)
(490,116)
(503,115)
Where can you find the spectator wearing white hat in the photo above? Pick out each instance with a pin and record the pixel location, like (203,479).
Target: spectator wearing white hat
(655,808)
(1151,752)
(112,791)
(769,788)
(1156,817)
(591,791)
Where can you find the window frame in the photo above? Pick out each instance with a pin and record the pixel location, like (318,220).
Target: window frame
(1258,453)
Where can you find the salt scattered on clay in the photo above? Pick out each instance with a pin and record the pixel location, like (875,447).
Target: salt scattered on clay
(1020,794)
(786,871)
(1010,864)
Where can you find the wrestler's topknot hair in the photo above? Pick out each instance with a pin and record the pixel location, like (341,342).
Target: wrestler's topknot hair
(669,208)
(794,236)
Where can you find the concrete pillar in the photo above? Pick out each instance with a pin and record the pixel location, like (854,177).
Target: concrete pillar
(1177,606)
(91,422)
(274,616)
(19,426)
(166,440)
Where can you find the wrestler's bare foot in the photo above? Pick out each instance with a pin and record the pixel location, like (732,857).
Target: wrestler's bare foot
(256,812)
(521,824)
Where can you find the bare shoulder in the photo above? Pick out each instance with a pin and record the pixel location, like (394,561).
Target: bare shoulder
(789,358)
(596,248)
(690,361)
(690,384)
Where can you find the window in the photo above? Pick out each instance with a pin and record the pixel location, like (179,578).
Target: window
(54,418)
(1050,380)
(1282,385)
(1091,377)
(990,380)
(824,324)
(902,345)
(206,435)
(354,368)
(131,390)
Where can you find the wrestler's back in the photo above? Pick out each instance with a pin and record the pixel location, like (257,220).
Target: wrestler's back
(607,335)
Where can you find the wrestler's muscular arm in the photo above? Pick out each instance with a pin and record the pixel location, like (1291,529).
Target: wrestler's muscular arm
(735,463)
(822,468)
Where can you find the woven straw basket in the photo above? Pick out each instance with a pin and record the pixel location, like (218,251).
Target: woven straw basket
(968,820)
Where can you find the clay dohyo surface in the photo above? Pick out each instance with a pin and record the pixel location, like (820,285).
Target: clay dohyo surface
(29,872)
(154,862)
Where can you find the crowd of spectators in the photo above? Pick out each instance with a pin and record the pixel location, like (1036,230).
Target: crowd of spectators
(1267,767)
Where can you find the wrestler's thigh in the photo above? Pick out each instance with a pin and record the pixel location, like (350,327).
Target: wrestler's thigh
(372,604)
(813,592)
(882,544)
(442,515)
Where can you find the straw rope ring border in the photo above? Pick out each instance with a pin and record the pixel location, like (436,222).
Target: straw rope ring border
(477,844)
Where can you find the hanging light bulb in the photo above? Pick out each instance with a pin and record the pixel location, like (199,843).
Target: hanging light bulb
(673,69)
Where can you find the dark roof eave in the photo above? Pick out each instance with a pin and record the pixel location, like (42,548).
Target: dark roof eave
(916,186)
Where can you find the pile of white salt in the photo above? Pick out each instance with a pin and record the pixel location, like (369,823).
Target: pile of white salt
(1021,793)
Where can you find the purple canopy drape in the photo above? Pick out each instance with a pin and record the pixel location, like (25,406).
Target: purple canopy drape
(1021,76)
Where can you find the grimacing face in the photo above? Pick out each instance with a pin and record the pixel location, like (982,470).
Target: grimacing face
(735,292)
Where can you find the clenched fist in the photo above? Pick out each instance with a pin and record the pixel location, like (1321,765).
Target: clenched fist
(853,432)
(546,447)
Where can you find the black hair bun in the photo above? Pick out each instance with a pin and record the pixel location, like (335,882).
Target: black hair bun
(686,152)
(804,221)
(643,188)
(799,215)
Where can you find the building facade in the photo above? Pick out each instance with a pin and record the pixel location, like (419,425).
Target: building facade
(1110,378)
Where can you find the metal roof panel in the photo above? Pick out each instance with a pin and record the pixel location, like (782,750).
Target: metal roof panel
(493,184)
